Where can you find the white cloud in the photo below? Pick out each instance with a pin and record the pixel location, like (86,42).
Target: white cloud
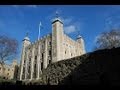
(70,29)
(67,21)
(71,26)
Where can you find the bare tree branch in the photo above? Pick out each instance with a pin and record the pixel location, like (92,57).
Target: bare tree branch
(8,48)
(108,39)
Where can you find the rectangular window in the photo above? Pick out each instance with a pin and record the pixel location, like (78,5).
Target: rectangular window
(41,65)
(42,46)
(49,61)
(34,75)
(35,67)
(65,52)
(42,56)
(29,60)
(24,61)
(49,43)
(35,57)
(50,52)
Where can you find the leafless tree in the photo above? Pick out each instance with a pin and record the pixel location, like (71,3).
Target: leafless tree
(8,48)
(108,40)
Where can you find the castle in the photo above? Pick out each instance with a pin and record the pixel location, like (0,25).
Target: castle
(9,71)
(52,48)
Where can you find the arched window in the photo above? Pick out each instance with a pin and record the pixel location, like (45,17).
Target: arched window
(42,56)
(49,43)
(41,65)
(35,57)
(65,52)
(50,52)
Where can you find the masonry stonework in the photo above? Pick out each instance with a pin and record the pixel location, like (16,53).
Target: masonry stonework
(9,71)
(52,48)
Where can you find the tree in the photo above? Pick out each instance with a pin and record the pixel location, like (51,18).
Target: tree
(108,40)
(8,48)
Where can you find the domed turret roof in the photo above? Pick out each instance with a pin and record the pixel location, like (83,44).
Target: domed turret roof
(26,38)
(78,37)
(57,18)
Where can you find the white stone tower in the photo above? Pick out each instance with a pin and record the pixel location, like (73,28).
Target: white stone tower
(81,41)
(57,39)
(14,63)
(26,42)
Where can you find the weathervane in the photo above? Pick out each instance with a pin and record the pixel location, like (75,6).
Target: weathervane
(78,34)
(27,34)
(57,13)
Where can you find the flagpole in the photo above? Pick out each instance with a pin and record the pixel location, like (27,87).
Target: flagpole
(39,31)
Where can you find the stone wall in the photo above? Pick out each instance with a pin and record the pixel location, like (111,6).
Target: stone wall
(9,71)
(71,48)
(37,57)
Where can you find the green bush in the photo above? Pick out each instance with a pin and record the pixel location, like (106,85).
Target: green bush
(55,73)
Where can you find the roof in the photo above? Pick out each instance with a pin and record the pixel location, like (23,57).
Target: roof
(57,19)
(26,38)
(78,37)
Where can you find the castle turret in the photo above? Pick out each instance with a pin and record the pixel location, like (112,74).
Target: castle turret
(79,38)
(81,41)
(57,39)
(14,63)
(15,69)
(26,42)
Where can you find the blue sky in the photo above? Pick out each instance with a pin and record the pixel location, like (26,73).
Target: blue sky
(87,20)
